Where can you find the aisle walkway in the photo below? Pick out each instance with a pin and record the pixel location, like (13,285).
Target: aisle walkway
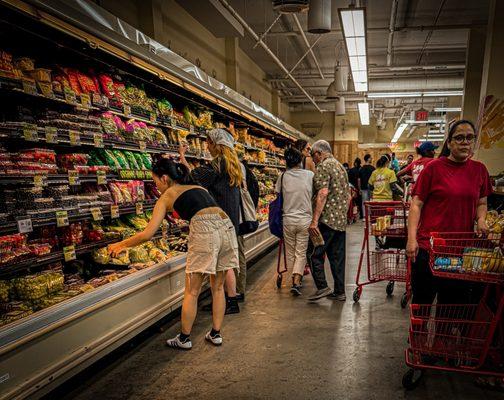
(281,347)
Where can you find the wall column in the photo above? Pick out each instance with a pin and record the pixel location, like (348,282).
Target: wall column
(491,128)
(232,67)
(275,102)
(473,74)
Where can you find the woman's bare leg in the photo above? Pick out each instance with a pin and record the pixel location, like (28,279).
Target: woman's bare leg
(230,283)
(193,284)
(218,299)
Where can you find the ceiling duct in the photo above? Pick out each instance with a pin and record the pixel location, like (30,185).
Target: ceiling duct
(340,83)
(339,106)
(319,16)
(290,6)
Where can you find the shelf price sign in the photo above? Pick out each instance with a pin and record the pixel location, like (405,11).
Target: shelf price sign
(139,208)
(153,117)
(101,178)
(30,133)
(114,211)
(85,100)
(127,110)
(62,218)
(98,139)
(24,225)
(69,253)
(191,129)
(51,134)
(69,95)
(73,177)
(74,138)
(96,213)
(142,145)
(173,123)
(29,87)
(39,180)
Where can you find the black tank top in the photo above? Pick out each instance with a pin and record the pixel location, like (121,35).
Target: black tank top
(192,201)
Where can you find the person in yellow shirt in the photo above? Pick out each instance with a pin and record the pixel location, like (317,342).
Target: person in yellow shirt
(383,181)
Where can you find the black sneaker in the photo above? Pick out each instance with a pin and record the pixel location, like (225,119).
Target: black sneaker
(296,290)
(337,296)
(232,306)
(240,297)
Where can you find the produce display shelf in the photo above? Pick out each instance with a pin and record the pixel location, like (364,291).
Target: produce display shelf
(254,164)
(57,179)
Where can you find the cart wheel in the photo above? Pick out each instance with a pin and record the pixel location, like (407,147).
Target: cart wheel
(279,281)
(404,300)
(356,294)
(412,378)
(390,288)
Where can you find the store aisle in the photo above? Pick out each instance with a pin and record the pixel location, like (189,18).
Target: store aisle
(280,347)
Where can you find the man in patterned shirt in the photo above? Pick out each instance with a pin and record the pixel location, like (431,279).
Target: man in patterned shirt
(329,220)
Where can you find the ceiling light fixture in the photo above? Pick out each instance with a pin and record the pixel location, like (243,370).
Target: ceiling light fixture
(399,132)
(353,22)
(387,95)
(448,109)
(430,121)
(430,140)
(364,113)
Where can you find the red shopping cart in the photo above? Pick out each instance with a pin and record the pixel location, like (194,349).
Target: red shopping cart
(464,338)
(386,221)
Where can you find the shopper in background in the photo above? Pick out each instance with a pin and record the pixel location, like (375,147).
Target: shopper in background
(353,179)
(426,151)
(211,244)
(222,178)
(304,147)
(364,175)
(296,186)
(394,163)
(329,221)
(450,195)
(383,181)
(409,160)
(346,166)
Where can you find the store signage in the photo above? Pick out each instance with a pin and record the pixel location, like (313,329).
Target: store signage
(73,177)
(421,115)
(69,95)
(24,225)
(98,139)
(30,133)
(127,110)
(69,253)
(40,180)
(85,100)
(62,218)
(153,117)
(74,138)
(139,208)
(29,87)
(101,178)
(114,211)
(51,134)
(142,145)
(96,213)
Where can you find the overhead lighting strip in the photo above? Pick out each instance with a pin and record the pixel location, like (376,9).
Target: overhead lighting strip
(353,22)
(400,129)
(448,109)
(387,95)
(363,113)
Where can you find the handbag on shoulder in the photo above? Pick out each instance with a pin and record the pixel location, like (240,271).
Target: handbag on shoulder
(275,214)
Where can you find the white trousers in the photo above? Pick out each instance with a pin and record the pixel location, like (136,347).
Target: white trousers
(296,243)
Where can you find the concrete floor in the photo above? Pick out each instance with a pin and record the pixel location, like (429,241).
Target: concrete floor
(280,347)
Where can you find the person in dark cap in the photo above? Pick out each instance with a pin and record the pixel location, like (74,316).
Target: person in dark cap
(426,150)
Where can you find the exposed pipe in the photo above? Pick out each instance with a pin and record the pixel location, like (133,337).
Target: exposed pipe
(429,35)
(263,35)
(247,27)
(305,54)
(296,20)
(393,13)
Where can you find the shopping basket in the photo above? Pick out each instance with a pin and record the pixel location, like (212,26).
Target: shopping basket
(386,221)
(465,338)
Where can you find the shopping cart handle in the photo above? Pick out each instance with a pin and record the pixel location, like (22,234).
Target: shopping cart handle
(438,241)
(415,307)
(416,321)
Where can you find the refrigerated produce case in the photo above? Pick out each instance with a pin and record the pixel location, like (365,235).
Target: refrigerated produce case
(77,137)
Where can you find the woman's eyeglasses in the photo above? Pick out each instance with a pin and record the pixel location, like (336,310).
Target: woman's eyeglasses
(459,139)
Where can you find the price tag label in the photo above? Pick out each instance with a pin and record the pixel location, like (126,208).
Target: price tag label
(51,134)
(24,225)
(85,100)
(69,95)
(152,117)
(74,138)
(114,211)
(73,177)
(29,87)
(139,208)
(173,123)
(101,177)
(147,175)
(96,213)
(40,180)
(191,128)
(69,253)
(140,194)
(164,229)
(61,219)
(127,110)
(142,145)
(30,133)
(98,139)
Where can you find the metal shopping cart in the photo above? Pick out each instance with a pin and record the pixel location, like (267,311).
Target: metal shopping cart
(464,338)
(386,221)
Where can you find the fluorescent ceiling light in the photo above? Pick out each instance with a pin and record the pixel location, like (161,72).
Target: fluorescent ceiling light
(399,132)
(361,87)
(430,121)
(445,93)
(353,22)
(385,95)
(363,113)
(433,136)
(429,140)
(448,109)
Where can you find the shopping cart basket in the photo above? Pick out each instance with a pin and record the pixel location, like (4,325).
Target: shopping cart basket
(465,338)
(386,221)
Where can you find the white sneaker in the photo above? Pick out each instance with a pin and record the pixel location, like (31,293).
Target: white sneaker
(176,343)
(215,340)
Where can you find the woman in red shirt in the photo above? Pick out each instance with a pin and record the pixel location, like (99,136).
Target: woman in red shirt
(449,196)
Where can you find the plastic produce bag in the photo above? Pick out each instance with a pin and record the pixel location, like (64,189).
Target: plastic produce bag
(139,254)
(101,256)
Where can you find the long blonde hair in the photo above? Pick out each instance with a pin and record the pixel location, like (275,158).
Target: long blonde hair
(231,164)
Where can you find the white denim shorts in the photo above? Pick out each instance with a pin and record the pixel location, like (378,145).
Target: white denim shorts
(212,244)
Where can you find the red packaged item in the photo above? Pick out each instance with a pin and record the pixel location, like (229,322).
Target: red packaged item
(71,235)
(86,83)
(73,80)
(39,155)
(107,85)
(69,161)
(40,249)
(119,89)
